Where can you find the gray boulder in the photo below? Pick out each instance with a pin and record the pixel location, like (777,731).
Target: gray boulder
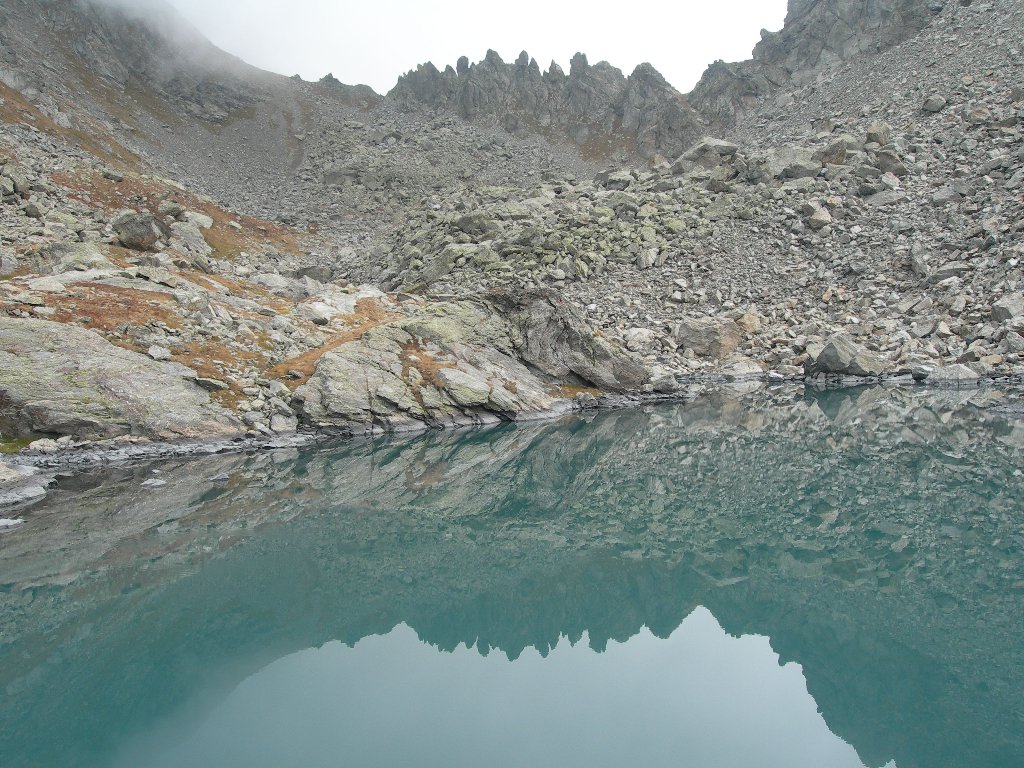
(708,153)
(841,355)
(478,225)
(140,231)
(879,133)
(710,338)
(1008,308)
(8,262)
(954,375)
(792,163)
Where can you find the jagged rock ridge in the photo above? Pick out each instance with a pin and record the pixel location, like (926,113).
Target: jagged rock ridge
(595,105)
(602,111)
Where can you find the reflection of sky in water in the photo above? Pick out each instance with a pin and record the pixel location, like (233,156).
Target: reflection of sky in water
(699,698)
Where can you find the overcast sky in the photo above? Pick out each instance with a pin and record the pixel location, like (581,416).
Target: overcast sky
(375,41)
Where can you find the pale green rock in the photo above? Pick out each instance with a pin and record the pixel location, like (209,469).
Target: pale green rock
(65,380)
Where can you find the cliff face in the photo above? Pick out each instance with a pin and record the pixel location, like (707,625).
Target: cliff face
(818,35)
(595,105)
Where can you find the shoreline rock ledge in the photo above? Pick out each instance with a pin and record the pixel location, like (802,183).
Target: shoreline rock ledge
(500,356)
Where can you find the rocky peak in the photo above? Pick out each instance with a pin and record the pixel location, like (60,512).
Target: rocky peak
(595,105)
(817,36)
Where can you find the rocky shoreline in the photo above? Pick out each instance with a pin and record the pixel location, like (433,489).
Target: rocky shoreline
(196,252)
(26,476)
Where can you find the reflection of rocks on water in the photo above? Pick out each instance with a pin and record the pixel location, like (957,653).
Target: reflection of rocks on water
(870,533)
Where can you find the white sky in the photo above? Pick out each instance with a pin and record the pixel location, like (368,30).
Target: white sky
(375,41)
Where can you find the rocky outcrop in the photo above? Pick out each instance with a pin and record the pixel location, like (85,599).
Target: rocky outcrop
(501,357)
(61,380)
(818,35)
(595,106)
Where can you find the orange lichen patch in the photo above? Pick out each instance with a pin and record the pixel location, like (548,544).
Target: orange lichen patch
(15,109)
(219,284)
(429,368)
(104,307)
(19,272)
(122,257)
(93,189)
(211,359)
(145,193)
(227,242)
(306,362)
(369,314)
(569,391)
(414,356)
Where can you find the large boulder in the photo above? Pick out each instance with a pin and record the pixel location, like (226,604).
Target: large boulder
(792,163)
(843,356)
(552,336)
(140,231)
(952,375)
(64,380)
(1008,308)
(709,152)
(709,338)
(499,357)
(478,225)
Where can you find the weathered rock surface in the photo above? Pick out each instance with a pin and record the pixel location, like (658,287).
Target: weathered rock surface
(61,380)
(22,484)
(502,357)
(841,355)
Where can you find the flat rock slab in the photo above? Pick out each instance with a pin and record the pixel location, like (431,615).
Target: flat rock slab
(63,380)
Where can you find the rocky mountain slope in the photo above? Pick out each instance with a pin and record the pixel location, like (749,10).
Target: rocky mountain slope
(848,202)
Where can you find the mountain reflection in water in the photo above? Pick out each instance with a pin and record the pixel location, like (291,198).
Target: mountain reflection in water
(874,537)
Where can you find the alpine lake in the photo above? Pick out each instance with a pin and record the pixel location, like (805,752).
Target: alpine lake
(774,578)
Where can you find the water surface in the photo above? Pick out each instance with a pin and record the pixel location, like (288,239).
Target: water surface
(776,579)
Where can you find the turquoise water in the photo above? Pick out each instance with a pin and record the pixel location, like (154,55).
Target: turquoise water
(772,579)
